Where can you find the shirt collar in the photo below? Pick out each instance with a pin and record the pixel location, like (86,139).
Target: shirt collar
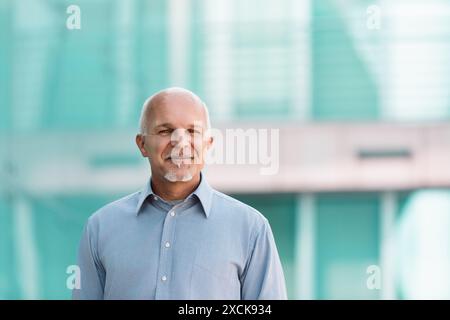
(203,192)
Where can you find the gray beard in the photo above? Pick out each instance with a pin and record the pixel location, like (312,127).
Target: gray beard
(173,177)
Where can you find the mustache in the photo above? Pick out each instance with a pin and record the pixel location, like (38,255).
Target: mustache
(182,153)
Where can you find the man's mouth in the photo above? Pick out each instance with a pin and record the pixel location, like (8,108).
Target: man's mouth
(179,158)
(180,161)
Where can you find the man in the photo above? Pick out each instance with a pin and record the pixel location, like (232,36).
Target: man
(178,238)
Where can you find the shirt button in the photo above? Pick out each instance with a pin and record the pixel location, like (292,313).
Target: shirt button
(172,213)
(167,245)
(164,278)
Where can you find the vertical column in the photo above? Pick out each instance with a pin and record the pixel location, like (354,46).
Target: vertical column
(387,244)
(31,58)
(125,76)
(305,247)
(179,40)
(218,66)
(25,248)
(301,59)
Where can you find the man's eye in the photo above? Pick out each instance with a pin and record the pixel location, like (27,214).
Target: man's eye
(165,131)
(194,131)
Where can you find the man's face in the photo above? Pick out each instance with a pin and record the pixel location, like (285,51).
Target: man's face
(175,142)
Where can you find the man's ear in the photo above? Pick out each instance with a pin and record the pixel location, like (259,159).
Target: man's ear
(209,142)
(140,142)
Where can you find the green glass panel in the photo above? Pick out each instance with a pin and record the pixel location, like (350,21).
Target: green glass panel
(347,243)
(342,87)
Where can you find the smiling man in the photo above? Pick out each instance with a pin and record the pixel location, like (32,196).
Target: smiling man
(178,238)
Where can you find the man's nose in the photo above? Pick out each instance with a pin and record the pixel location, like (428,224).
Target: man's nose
(180,138)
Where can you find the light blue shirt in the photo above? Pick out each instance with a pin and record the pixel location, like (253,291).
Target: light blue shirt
(209,246)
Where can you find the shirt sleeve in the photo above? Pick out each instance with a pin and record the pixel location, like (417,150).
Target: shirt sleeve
(263,277)
(92,273)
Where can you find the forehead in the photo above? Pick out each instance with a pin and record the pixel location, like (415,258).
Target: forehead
(176,110)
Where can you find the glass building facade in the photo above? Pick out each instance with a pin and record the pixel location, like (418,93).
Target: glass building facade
(266,61)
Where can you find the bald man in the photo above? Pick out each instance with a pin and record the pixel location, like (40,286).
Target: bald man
(178,238)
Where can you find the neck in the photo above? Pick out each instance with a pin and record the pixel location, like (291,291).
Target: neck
(174,190)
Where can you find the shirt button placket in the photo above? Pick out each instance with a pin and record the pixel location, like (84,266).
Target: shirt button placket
(165,263)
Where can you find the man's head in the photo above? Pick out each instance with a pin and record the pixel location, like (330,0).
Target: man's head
(174,134)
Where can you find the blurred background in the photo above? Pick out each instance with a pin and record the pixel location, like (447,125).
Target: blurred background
(359,90)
